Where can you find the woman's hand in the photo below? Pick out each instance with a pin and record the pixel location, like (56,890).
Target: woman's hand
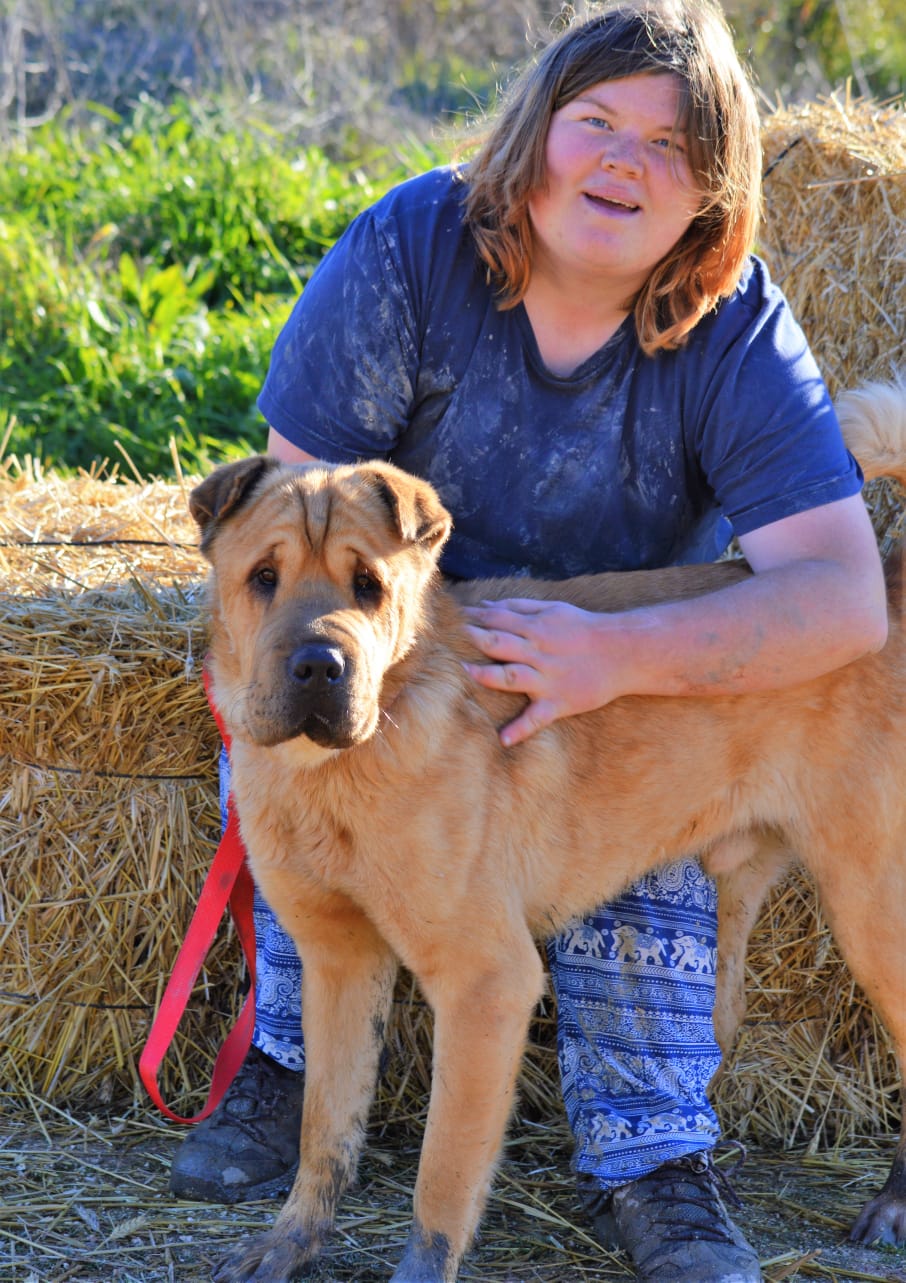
(815,602)
(548,650)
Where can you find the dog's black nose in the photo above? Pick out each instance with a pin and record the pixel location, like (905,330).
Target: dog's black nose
(316,666)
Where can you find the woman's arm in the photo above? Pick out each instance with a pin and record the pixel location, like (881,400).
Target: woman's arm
(279,448)
(815,602)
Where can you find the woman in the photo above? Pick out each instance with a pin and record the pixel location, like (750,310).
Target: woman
(570,340)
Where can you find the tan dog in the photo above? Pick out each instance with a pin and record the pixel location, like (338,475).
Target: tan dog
(385,822)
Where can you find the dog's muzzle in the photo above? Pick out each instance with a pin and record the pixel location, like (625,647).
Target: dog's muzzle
(319,693)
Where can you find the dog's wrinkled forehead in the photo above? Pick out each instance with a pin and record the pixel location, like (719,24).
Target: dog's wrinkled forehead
(375,501)
(335,506)
(340,507)
(313,506)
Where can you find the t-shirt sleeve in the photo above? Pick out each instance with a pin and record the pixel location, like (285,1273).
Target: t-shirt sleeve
(769,442)
(342,371)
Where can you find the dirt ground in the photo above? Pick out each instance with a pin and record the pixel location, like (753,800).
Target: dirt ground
(86,1199)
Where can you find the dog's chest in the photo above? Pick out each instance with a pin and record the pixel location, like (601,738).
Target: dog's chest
(320,827)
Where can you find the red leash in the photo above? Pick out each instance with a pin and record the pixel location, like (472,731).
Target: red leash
(228,882)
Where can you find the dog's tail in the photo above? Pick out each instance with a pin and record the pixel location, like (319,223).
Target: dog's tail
(873,419)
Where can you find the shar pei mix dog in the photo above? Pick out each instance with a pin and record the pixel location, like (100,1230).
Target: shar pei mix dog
(385,822)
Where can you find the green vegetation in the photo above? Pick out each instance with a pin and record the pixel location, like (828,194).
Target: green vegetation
(166,191)
(800,48)
(145,268)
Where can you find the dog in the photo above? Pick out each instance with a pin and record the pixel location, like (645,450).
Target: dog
(385,822)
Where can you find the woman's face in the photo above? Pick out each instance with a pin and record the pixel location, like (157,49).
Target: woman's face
(619,193)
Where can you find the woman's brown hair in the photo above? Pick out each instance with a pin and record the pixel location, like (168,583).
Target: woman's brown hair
(689,39)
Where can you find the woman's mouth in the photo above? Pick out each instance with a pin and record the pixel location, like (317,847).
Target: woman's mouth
(612,204)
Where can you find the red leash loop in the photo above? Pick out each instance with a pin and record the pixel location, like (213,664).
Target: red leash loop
(228,882)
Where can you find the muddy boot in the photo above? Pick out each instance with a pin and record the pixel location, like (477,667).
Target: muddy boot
(248,1148)
(673,1225)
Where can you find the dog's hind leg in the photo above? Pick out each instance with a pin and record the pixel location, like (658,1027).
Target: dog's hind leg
(746,866)
(482,1007)
(863,894)
(347,988)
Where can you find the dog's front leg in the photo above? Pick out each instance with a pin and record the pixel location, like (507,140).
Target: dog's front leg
(482,1007)
(347,988)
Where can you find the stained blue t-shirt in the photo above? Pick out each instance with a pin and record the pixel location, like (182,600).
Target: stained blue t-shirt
(397,349)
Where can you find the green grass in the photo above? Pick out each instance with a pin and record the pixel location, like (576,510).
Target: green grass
(146,266)
(148,261)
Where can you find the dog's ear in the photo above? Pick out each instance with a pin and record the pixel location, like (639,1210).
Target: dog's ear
(414,506)
(225,491)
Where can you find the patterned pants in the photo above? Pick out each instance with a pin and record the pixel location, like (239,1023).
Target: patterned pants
(635,993)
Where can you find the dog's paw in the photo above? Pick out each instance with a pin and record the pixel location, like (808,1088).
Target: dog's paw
(273,1257)
(881,1222)
(428,1259)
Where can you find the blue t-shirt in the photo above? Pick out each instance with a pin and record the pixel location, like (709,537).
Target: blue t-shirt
(397,349)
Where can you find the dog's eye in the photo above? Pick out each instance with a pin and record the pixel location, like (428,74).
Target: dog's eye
(367,587)
(264,579)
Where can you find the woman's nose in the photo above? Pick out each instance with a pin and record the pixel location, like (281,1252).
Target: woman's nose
(622,152)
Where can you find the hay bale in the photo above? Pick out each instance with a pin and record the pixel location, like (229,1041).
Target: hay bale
(834,229)
(833,236)
(67,535)
(108,810)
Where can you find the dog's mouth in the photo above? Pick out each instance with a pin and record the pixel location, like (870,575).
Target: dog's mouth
(325,733)
(333,730)
(320,700)
(316,730)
